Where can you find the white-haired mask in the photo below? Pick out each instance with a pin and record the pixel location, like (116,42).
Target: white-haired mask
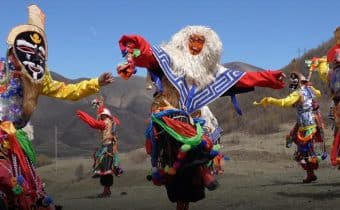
(195,52)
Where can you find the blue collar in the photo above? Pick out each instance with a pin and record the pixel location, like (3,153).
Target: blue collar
(192,99)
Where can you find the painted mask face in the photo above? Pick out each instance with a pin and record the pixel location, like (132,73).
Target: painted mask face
(30,50)
(196,43)
(294,81)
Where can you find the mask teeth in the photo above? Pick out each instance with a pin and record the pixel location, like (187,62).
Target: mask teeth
(35,75)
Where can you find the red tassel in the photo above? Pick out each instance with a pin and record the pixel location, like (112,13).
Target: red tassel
(181,155)
(15,147)
(148,146)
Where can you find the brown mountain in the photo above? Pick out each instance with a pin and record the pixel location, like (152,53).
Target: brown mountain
(259,120)
(130,102)
(127,100)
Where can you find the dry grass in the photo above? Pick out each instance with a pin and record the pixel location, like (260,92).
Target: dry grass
(43,160)
(260,175)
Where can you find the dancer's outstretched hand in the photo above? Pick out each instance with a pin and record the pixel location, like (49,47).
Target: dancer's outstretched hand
(105,79)
(126,70)
(264,101)
(279,76)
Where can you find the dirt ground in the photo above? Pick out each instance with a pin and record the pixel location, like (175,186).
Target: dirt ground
(261,174)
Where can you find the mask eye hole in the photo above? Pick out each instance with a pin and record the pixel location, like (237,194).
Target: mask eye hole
(25,49)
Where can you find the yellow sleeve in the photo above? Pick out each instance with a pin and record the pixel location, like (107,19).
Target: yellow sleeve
(323,71)
(316,91)
(282,102)
(71,92)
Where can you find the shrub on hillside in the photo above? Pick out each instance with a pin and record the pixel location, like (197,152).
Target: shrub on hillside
(43,160)
(79,172)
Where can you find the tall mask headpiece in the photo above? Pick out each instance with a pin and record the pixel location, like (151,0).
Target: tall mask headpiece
(295,76)
(29,44)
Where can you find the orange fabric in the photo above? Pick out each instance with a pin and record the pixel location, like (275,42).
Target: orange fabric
(304,139)
(125,71)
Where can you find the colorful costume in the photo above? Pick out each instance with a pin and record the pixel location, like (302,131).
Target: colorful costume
(106,160)
(212,129)
(306,132)
(24,77)
(187,75)
(329,72)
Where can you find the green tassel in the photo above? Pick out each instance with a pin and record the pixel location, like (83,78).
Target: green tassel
(116,160)
(192,141)
(26,145)
(17,190)
(136,53)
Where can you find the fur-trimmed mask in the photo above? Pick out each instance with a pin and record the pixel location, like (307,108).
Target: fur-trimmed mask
(30,50)
(195,53)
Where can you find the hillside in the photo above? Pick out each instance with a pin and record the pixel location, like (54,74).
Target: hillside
(130,102)
(259,120)
(261,174)
(126,99)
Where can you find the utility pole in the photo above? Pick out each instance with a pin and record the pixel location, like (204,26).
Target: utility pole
(299,52)
(56,147)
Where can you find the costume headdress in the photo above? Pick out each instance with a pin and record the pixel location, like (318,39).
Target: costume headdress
(295,76)
(29,45)
(335,50)
(36,23)
(98,104)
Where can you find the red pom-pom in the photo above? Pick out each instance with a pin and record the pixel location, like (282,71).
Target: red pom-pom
(181,155)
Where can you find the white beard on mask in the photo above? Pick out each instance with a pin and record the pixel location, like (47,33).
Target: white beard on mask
(198,69)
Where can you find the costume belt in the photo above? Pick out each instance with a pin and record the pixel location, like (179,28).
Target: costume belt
(307,127)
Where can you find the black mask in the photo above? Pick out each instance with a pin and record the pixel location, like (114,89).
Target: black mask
(30,50)
(294,81)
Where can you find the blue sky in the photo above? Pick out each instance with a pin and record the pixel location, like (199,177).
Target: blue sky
(83,34)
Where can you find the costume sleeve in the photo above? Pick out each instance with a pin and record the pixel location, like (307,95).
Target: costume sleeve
(71,92)
(331,53)
(316,91)
(98,124)
(283,102)
(261,79)
(145,58)
(323,72)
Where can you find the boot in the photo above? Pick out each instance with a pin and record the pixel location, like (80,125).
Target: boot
(106,193)
(310,177)
(182,205)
